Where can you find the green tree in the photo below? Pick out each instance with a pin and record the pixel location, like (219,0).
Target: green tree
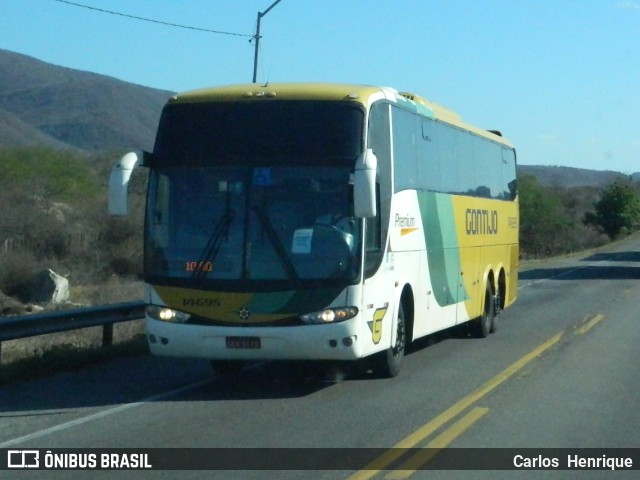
(616,211)
(53,175)
(543,219)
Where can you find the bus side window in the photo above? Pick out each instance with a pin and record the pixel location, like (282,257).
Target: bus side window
(373,239)
(379,140)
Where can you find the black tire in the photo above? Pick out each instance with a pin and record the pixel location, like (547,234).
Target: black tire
(227,367)
(390,361)
(494,321)
(485,323)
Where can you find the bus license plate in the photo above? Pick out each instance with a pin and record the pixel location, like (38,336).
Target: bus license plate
(243,342)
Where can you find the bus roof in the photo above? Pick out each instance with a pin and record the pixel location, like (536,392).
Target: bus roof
(363,94)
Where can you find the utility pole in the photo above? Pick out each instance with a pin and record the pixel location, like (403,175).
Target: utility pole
(256,38)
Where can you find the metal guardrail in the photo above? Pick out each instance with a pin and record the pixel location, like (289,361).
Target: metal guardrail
(24,326)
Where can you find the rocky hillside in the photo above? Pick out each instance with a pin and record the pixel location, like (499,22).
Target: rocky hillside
(58,107)
(44,104)
(570,177)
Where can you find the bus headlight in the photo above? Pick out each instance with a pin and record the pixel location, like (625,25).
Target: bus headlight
(330,315)
(166,314)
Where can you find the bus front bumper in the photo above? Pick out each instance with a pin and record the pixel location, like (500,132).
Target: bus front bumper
(338,341)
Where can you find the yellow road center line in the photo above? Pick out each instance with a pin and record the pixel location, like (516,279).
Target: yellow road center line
(590,324)
(427,429)
(432,448)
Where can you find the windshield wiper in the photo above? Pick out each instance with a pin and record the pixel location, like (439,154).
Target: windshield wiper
(277,244)
(220,233)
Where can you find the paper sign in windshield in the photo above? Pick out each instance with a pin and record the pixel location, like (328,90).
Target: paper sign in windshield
(302,241)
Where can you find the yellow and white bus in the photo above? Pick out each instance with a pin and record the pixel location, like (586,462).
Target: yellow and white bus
(320,222)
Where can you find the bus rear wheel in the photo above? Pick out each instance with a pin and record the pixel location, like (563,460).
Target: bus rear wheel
(388,363)
(486,323)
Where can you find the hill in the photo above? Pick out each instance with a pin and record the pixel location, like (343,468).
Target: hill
(63,108)
(14,132)
(571,177)
(49,105)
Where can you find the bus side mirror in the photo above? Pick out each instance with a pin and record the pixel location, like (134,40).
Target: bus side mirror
(364,185)
(119,183)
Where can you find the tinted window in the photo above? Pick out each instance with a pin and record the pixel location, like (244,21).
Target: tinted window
(405,145)
(379,140)
(259,132)
(286,224)
(436,156)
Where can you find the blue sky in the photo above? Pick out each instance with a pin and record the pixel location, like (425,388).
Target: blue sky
(560,78)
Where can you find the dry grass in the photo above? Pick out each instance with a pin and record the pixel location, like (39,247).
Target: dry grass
(38,356)
(86,338)
(114,290)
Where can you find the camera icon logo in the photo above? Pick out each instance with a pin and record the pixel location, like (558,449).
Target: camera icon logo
(23,459)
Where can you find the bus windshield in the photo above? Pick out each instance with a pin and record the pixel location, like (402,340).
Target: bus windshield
(252,192)
(260,224)
(260,133)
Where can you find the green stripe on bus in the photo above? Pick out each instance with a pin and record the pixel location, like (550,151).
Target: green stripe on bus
(293,302)
(439,228)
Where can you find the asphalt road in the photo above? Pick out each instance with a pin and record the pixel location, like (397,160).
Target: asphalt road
(561,372)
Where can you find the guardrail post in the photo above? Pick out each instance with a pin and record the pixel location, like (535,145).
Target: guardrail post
(107,334)
(23,326)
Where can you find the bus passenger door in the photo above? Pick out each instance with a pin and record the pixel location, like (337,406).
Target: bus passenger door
(379,306)
(377,297)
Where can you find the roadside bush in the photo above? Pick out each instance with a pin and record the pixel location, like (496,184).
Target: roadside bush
(551,219)
(617,210)
(16,268)
(53,214)
(542,218)
(51,175)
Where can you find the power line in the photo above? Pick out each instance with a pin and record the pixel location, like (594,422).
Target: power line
(154,21)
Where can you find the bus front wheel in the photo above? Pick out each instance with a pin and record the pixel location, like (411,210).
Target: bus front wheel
(388,362)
